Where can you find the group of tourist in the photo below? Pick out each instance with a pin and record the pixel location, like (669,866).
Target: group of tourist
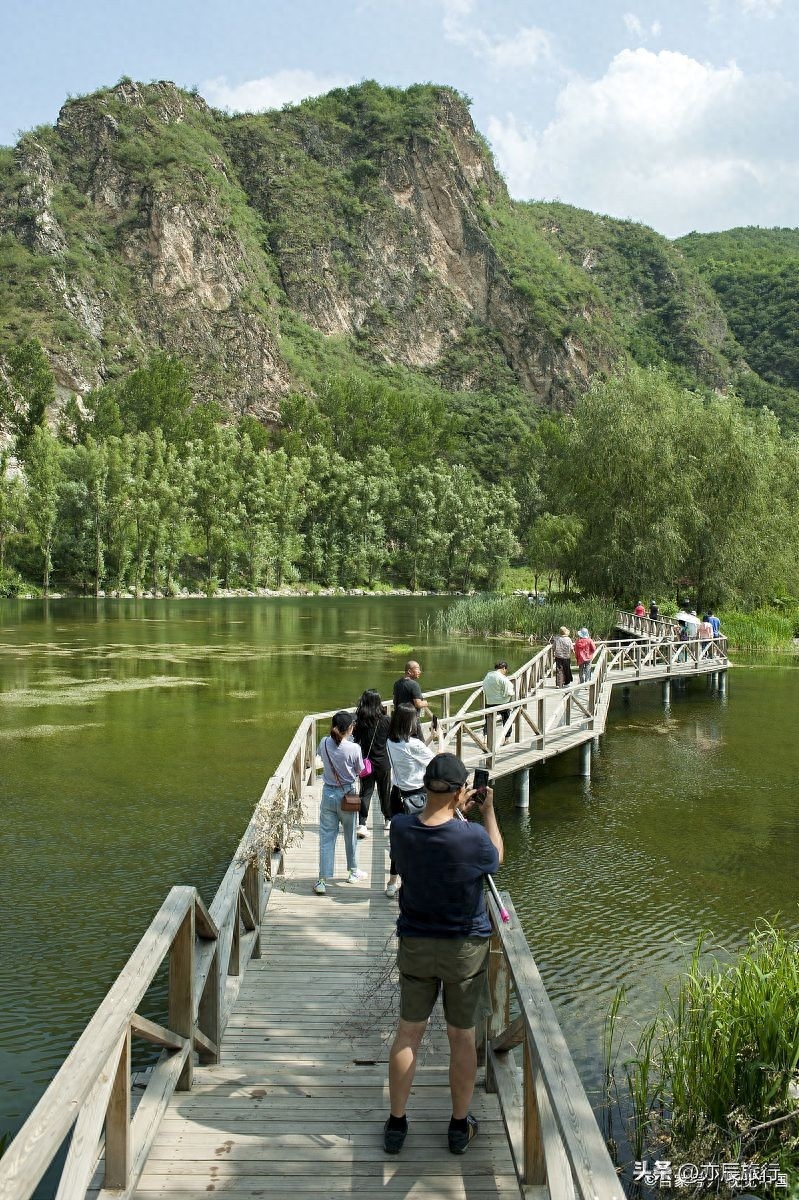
(393,747)
(443,926)
(583,648)
(689,626)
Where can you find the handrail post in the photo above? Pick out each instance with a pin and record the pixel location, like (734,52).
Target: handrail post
(208,1013)
(181,991)
(535,1167)
(491,734)
(118,1157)
(499,988)
(253,884)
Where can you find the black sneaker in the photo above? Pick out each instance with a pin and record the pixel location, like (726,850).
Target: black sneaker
(394,1139)
(459,1139)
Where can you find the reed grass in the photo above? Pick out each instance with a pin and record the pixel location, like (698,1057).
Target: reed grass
(711,1074)
(488,615)
(761,631)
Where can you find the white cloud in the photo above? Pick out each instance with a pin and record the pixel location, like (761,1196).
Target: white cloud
(635,27)
(523,49)
(526,48)
(272,91)
(761,8)
(664,139)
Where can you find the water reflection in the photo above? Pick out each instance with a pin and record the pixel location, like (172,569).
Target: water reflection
(135,738)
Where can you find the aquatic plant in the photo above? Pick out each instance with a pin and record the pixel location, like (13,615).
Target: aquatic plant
(487,615)
(713,1075)
(759,631)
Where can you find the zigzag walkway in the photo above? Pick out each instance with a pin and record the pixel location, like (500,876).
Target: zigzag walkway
(272,1045)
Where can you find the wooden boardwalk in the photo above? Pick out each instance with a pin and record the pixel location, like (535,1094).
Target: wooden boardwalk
(272,1073)
(298,1102)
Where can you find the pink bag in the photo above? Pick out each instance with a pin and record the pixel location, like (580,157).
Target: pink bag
(367,769)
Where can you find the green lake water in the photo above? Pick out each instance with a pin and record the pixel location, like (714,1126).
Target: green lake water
(135,738)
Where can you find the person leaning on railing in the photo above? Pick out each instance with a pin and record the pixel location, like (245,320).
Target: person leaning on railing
(498,690)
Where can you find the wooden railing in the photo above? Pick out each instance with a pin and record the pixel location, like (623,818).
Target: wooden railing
(207,951)
(662,627)
(553,1135)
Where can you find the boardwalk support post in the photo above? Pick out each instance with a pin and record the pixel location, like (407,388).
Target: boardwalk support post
(666,693)
(585,760)
(722,683)
(523,788)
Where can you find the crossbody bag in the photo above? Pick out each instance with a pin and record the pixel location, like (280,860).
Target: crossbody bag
(350,801)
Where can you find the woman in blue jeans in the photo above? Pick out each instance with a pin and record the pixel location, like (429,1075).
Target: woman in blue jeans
(342,762)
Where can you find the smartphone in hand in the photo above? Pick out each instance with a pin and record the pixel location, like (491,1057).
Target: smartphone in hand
(480,785)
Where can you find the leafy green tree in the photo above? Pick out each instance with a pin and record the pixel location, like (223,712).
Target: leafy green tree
(11,505)
(739,525)
(32,380)
(552,546)
(44,476)
(215,493)
(617,466)
(119,539)
(418,531)
(169,489)
(85,472)
(254,509)
(288,498)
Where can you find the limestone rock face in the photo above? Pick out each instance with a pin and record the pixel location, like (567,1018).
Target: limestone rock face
(145,221)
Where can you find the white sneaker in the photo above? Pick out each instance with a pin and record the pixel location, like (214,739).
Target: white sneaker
(320,887)
(355,876)
(391,890)
(362,831)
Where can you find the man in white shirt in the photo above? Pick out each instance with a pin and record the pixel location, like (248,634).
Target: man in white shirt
(498,690)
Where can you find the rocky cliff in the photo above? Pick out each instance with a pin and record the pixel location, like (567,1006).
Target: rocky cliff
(369,224)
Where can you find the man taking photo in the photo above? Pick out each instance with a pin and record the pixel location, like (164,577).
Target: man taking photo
(444,933)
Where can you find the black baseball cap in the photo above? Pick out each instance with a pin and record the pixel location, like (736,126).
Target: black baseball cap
(445,773)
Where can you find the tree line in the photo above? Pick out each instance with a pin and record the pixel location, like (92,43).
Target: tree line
(105,506)
(645,489)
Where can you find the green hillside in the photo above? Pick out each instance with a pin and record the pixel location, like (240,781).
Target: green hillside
(324,345)
(755,275)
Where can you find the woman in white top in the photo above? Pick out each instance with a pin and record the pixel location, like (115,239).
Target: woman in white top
(408,756)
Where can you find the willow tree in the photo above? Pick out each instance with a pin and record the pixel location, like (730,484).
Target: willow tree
(618,465)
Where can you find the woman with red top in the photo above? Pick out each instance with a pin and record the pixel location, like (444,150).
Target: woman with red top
(584,651)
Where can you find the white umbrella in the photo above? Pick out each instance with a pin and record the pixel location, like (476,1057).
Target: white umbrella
(682,616)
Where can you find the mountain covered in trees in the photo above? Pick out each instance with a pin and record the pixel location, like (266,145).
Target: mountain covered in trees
(365,228)
(222,336)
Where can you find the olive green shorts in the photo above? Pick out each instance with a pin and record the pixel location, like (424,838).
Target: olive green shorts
(459,966)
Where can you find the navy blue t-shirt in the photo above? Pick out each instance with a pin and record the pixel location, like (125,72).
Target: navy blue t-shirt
(442,869)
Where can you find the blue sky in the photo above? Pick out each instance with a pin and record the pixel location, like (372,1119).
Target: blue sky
(677,113)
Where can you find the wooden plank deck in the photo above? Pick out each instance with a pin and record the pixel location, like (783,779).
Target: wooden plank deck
(529,751)
(298,1102)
